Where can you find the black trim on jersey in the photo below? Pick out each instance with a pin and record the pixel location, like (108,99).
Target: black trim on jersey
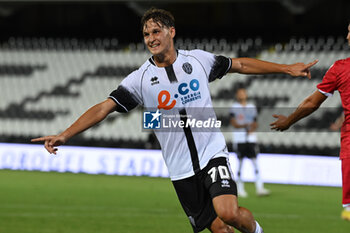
(190,142)
(171,74)
(151,61)
(220,67)
(124,99)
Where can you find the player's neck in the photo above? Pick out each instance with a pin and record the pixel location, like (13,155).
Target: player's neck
(164,60)
(243,103)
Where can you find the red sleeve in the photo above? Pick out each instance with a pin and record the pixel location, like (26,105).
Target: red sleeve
(329,81)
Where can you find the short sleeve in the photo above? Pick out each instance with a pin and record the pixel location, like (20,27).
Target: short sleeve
(329,82)
(254,111)
(233,111)
(216,66)
(128,94)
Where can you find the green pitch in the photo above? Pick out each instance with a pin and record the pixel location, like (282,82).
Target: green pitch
(38,202)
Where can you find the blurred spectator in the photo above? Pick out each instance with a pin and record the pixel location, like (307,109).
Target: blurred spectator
(243,119)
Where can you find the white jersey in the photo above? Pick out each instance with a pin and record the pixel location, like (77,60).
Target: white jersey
(181,87)
(243,115)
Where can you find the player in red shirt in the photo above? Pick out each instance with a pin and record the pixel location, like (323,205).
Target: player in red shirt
(336,78)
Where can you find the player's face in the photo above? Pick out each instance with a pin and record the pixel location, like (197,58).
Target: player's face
(158,38)
(241,95)
(348,37)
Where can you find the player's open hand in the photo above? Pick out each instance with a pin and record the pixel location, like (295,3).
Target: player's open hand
(280,124)
(301,69)
(51,142)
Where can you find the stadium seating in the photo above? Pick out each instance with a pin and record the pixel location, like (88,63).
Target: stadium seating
(47,83)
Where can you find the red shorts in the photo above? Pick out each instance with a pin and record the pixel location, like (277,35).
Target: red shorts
(345,167)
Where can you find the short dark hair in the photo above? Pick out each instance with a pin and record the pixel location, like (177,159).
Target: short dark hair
(165,18)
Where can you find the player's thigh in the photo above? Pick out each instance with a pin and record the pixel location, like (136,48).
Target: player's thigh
(221,186)
(226,207)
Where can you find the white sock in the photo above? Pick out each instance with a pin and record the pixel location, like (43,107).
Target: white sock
(258,228)
(240,185)
(259,185)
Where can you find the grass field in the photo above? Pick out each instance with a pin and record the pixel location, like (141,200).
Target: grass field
(38,202)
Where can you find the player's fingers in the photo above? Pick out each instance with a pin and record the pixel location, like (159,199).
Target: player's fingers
(275,115)
(47,147)
(39,139)
(52,142)
(303,74)
(308,75)
(54,150)
(276,128)
(273,127)
(311,63)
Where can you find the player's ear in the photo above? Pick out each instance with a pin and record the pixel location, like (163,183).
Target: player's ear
(172,32)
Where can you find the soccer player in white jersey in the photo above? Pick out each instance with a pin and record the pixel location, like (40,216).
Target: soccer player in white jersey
(244,139)
(197,161)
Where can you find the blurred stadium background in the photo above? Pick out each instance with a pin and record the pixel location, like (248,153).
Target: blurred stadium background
(60,57)
(57,58)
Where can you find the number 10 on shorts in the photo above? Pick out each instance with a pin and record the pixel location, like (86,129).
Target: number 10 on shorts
(223,173)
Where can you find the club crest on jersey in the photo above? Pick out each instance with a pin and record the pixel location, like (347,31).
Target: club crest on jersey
(187,67)
(154,80)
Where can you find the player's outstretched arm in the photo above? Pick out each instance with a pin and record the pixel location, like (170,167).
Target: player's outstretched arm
(90,118)
(308,106)
(255,66)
